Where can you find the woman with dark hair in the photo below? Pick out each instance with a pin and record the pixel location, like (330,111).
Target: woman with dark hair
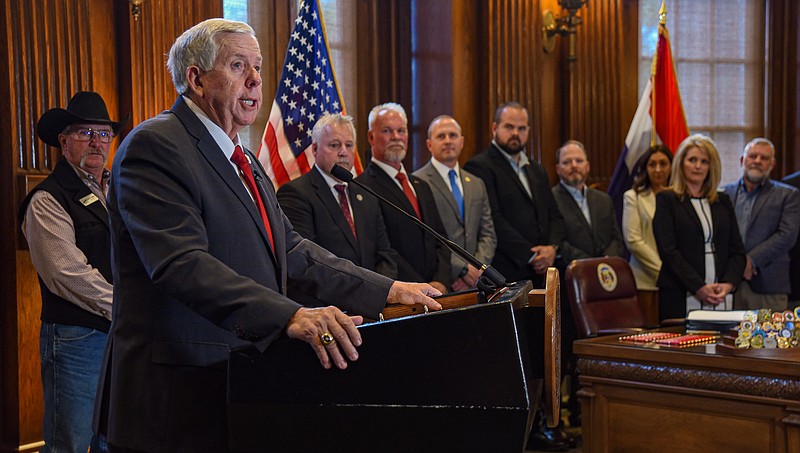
(651,175)
(697,235)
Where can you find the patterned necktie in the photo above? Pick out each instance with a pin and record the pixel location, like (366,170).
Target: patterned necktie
(343,203)
(409,193)
(456,192)
(241,161)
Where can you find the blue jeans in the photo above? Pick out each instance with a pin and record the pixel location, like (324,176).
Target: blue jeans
(71,358)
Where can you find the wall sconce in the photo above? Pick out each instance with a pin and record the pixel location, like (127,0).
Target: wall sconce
(564,26)
(136,8)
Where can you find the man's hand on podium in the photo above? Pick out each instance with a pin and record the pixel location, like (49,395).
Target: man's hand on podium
(407,293)
(330,333)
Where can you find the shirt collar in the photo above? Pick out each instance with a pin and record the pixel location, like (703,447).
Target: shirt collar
(220,137)
(330,180)
(83,174)
(743,186)
(391,171)
(444,170)
(576,193)
(523,158)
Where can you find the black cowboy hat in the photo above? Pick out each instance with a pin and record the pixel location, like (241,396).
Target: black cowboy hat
(85,107)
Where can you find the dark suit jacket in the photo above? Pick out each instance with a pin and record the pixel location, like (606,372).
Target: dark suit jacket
(794,254)
(771,232)
(475,232)
(679,237)
(194,276)
(519,221)
(601,238)
(421,257)
(315,213)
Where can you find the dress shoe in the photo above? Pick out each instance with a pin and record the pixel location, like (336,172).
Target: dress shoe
(546,440)
(559,433)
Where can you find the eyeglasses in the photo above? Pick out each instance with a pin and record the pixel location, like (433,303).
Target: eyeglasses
(86,135)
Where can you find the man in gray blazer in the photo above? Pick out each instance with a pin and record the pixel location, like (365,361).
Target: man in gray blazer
(461,200)
(589,217)
(768,213)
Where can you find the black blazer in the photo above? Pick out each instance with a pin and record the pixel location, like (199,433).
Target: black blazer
(194,276)
(601,238)
(421,257)
(794,253)
(519,221)
(315,213)
(679,237)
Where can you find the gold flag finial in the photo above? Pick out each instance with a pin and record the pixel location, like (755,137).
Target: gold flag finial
(662,13)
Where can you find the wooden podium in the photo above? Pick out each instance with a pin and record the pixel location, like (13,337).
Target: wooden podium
(456,379)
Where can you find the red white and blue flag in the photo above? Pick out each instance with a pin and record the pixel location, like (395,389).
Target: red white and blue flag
(660,108)
(306,90)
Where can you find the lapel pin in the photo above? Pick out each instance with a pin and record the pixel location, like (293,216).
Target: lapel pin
(359,197)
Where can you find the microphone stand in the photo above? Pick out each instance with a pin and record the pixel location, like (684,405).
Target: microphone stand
(490,279)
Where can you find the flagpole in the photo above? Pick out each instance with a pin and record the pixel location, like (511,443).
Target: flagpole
(662,22)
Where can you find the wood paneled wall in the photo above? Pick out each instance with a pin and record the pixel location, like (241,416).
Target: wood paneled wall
(605,89)
(53,48)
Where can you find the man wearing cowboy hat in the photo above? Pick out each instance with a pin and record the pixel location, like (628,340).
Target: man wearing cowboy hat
(65,221)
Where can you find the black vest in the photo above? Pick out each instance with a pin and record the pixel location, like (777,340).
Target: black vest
(92,236)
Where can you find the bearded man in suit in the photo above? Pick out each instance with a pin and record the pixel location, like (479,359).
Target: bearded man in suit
(589,218)
(203,257)
(421,257)
(461,199)
(528,225)
(768,214)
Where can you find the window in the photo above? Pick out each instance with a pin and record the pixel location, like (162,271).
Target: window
(719,52)
(339,18)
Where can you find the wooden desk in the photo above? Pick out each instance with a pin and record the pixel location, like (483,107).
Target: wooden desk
(699,399)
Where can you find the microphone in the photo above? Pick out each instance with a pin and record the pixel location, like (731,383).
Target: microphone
(495,278)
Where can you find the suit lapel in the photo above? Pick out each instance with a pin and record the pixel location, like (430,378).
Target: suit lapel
(216,159)
(766,192)
(687,205)
(328,200)
(438,184)
(505,167)
(566,198)
(390,189)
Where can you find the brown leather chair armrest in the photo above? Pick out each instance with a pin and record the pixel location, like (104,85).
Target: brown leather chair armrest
(620,331)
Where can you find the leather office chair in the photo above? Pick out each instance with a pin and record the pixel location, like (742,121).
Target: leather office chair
(602,294)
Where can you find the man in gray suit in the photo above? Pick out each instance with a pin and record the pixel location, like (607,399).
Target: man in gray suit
(461,200)
(768,213)
(588,213)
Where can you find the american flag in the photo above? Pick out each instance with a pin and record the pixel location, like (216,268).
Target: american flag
(307,89)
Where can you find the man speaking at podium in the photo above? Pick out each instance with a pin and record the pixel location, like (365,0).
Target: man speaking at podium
(203,257)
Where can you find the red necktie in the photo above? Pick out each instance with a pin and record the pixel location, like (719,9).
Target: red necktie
(241,161)
(409,193)
(345,207)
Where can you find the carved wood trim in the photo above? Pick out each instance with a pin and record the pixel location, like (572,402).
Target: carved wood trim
(771,387)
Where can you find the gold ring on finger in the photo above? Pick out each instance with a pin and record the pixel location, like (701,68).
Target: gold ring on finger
(326,338)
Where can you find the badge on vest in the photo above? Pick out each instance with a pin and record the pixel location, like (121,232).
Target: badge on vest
(88,199)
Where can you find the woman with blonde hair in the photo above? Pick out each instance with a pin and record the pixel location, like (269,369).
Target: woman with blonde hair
(651,176)
(697,234)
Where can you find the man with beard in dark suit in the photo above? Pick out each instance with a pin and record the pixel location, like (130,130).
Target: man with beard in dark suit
(527,222)
(421,257)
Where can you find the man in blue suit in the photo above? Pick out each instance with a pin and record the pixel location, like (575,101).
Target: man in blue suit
(768,213)
(203,257)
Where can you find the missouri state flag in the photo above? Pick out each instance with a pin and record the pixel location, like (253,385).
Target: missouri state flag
(658,119)
(307,89)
